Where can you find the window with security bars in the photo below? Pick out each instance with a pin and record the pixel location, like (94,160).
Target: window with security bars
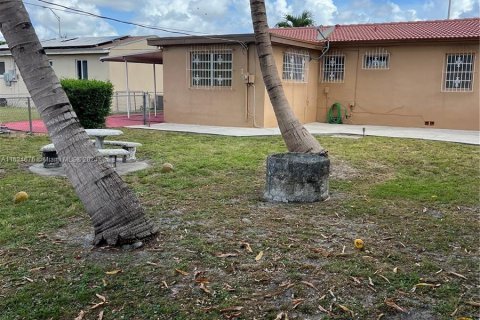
(376,59)
(210,68)
(295,66)
(458,72)
(333,68)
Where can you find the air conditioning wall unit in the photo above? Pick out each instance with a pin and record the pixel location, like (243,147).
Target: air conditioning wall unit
(9,77)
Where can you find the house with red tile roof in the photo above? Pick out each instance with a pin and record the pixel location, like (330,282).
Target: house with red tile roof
(416,74)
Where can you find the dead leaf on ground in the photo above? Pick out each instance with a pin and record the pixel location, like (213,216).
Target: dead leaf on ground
(113,271)
(226,255)
(458,275)
(297,302)
(228,287)
(80,315)
(36,269)
(183,273)
(322,309)
(99,296)
(392,304)
(202,280)
(204,288)
(259,256)
(309,284)
(282,316)
(473,303)
(345,309)
(230,309)
(96,305)
(246,246)
(100,315)
(324,253)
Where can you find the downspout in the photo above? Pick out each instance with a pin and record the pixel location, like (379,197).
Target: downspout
(249,84)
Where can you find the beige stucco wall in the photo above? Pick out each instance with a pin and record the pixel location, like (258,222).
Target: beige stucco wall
(64,67)
(302,96)
(233,106)
(17,88)
(407,94)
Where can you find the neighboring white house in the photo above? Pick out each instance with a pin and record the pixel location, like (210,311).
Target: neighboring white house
(79,58)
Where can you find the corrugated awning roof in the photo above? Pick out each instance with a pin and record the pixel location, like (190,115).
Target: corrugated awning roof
(152,57)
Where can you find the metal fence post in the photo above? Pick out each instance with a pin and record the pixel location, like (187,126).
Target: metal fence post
(29,115)
(144,108)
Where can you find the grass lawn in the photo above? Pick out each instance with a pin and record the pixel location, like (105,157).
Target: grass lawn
(12,114)
(414,203)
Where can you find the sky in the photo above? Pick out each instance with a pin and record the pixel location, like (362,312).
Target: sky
(224,16)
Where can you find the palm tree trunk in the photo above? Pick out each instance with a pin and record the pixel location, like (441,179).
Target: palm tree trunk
(115,211)
(296,137)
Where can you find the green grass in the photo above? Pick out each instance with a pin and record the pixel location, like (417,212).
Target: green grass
(12,114)
(414,203)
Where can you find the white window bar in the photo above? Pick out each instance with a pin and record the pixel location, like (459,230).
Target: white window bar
(333,67)
(295,66)
(458,72)
(377,59)
(210,67)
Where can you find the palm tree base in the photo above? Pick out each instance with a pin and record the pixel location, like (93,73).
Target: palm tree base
(297,177)
(137,230)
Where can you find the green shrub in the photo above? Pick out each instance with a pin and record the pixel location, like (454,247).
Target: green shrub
(91,100)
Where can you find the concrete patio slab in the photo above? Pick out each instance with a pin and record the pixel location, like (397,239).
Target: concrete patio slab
(316,128)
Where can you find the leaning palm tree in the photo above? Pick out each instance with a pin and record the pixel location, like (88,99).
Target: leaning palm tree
(115,211)
(291,21)
(296,137)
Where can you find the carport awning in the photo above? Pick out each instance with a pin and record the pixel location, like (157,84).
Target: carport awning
(152,57)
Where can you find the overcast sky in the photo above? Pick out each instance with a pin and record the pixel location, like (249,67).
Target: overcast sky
(226,16)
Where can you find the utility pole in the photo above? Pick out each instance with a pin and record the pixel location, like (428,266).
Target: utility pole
(449,8)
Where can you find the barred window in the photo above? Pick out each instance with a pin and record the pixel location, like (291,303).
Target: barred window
(295,66)
(211,68)
(376,59)
(333,67)
(458,72)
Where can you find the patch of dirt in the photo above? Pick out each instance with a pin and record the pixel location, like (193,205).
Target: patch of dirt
(341,170)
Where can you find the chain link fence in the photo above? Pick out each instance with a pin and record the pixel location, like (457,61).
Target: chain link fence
(134,107)
(15,109)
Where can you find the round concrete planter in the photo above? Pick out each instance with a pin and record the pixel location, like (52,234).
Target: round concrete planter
(297,177)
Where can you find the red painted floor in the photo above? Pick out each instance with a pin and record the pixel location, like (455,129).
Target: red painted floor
(115,121)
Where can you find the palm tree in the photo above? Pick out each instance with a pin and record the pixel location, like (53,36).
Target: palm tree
(296,137)
(303,20)
(115,211)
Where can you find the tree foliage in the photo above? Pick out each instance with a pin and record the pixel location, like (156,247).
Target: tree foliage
(303,20)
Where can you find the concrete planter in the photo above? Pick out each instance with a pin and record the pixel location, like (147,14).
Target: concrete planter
(297,177)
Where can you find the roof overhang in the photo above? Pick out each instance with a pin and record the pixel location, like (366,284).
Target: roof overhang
(213,39)
(242,39)
(396,42)
(152,57)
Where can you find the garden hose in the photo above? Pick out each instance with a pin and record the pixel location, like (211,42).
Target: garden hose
(334,114)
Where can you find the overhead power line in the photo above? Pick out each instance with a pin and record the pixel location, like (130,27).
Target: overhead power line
(158,28)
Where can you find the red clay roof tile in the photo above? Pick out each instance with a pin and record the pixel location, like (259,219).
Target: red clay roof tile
(425,30)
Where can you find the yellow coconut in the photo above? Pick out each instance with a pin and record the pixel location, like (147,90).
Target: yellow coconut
(20,197)
(358,243)
(167,167)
